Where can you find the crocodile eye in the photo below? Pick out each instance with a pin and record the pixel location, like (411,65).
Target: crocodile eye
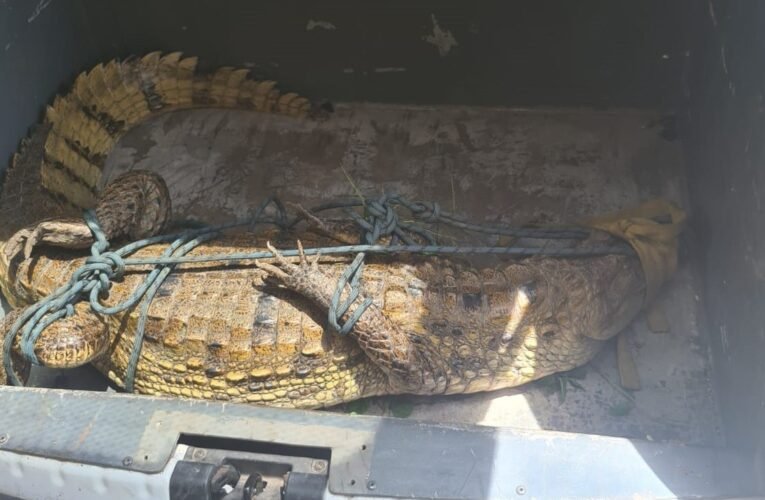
(548,334)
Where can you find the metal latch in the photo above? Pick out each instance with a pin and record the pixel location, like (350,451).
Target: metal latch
(225,474)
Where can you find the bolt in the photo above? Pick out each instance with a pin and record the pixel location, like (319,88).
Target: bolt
(253,487)
(4,438)
(521,489)
(127,461)
(371,485)
(199,454)
(318,466)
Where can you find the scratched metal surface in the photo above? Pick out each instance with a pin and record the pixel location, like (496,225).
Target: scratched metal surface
(374,456)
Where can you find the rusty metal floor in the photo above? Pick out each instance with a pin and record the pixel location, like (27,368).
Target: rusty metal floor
(489,164)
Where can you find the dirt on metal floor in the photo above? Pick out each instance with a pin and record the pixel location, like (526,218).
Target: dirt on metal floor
(497,165)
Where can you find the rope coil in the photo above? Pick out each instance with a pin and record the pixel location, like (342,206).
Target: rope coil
(92,281)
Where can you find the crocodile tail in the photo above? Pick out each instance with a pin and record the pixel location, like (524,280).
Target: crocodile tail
(111,98)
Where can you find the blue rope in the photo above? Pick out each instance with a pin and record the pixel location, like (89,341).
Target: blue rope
(235,258)
(431,212)
(382,220)
(93,279)
(92,282)
(350,276)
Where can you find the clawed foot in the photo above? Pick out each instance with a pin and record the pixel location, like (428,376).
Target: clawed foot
(60,233)
(23,241)
(287,273)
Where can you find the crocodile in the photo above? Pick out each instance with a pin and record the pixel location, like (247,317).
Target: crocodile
(257,333)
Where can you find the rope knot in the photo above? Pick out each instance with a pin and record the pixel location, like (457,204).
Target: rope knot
(427,211)
(103,267)
(109,265)
(383,219)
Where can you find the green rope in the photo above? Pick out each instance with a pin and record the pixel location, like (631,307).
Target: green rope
(93,279)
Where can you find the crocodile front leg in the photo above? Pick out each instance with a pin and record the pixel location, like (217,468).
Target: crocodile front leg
(136,205)
(383,341)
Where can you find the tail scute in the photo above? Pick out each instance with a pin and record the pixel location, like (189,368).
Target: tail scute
(111,98)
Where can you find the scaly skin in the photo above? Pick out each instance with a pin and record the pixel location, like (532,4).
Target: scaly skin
(438,326)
